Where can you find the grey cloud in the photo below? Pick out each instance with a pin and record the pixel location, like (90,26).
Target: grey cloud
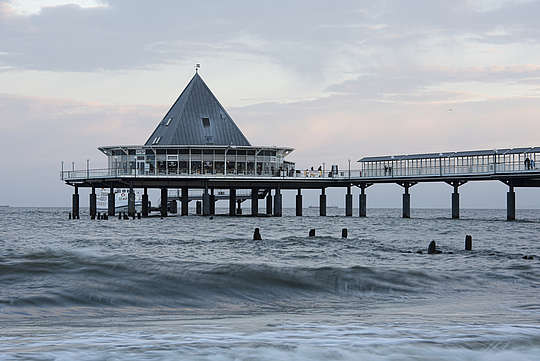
(304,35)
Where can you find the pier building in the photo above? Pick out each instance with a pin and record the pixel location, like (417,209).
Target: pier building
(197,146)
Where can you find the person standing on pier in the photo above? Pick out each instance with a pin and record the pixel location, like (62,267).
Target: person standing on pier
(527,163)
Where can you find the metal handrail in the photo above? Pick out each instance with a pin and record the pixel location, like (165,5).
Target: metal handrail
(389,172)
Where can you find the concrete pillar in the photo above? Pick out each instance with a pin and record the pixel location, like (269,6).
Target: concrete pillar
(322,203)
(348,202)
(164,201)
(111,200)
(362,202)
(232,202)
(511,204)
(93,204)
(205,203)
(254,201)
(239,207)
(277,203)
(185,201)
(198,208)
(75,203)
(299,203)
(269,202)
(455,203)
(145,209)
(212,199)
(131,203)
(406,202)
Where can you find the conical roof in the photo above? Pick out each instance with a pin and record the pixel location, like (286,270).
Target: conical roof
(197,118)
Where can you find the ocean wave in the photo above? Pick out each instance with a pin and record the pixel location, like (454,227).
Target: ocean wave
(75,278)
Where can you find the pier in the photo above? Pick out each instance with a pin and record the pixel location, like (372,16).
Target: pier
(197,146)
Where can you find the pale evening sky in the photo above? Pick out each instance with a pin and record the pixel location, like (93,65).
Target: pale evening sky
(336,80)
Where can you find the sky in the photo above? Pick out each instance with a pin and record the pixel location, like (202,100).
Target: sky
(334,80)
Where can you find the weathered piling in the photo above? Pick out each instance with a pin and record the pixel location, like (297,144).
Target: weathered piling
(257,235)
(312,232)
(344,233)
(198,208)
(69,215)
(432,248)
(468,242)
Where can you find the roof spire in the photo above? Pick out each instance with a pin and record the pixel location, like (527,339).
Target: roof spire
(197,66)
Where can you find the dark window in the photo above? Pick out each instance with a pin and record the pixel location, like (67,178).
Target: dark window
(206,122)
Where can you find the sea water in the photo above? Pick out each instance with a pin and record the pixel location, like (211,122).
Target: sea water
(199,288)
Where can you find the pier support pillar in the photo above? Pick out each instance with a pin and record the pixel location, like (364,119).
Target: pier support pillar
(239,207)
(511,204)
(131,203)
(455,203)
(269,203)
(232,202)
(164,201)
(299,203)
(322,203)
(205,203)
(212,199)
(406,202)
(277,203)
(144,206)
(362,204)
(75,203)
(93,204)
(254,201)
(111,200)
(184,201)
(348,202)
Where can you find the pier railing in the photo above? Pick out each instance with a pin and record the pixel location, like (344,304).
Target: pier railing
(388,172)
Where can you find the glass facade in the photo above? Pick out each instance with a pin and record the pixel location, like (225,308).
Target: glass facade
(197,160)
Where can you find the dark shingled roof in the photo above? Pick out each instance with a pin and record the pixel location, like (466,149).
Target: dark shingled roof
(197,118)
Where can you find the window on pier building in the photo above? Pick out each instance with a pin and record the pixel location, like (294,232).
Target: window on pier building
(206,122)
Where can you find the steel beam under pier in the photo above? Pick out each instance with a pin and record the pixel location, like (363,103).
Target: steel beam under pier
(362,200)
(277,203)
(111,200)
(348,202)
(299,203)
(232,202)
(455,197)
(205,203)
(184,201)
(145,204)
(511,204)
(212,199)
(75,203)
(406,199)
(269,203)
(322,203)
(93,204)
(131,203)
(164,199)
(254,201)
